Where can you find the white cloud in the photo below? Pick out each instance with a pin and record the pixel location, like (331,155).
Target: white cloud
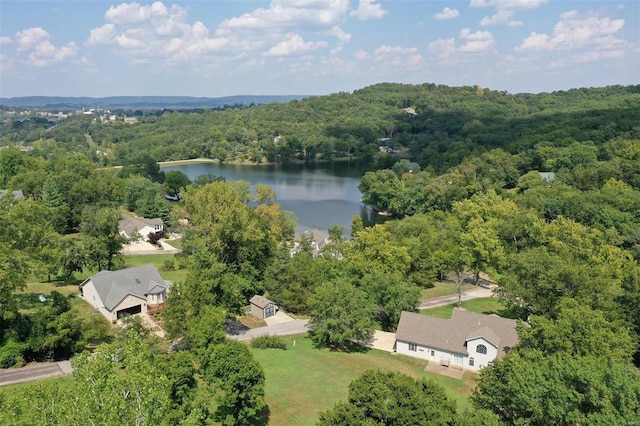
(41,51)
(6,40)
(45,53)
(294,44)
(145,32)
(508,4)
(361,55)
(478,42)
(288,14)
(134,13)
(28,38)
(407,58)
(337,32)
(575,31)
(6,63)
(443,48)
(501,17)
(101,35)
(368,10)
(447,13)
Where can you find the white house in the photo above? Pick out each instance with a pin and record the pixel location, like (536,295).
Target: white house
(129,225)
(125,292)
(468,340)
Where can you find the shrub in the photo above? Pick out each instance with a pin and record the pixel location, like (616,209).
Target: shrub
(11,354)
(268,342)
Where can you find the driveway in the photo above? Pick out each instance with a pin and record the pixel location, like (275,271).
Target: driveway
(9,376)
(473,293)
(145,247)
(282,329)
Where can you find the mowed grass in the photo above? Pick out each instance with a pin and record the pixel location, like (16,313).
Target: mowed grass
(483,305)
(302,381)
(158,261)
(442,288)
(19,389)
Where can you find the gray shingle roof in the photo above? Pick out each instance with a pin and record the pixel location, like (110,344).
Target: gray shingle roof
(452,334)
(260,301)
(114,286)
(130,224)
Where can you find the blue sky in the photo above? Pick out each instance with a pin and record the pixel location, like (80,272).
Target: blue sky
(312,47)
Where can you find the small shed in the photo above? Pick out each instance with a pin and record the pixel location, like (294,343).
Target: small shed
(262,308)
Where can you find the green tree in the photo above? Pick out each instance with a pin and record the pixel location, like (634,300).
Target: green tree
(371,249)
(392,293)
(224,224)
(240,379)
(291,279)
(391,398)
(103,240)
(560,390)
(578,331)
(341,315)
(175,181)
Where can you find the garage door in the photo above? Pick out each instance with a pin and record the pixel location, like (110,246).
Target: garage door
(129,311)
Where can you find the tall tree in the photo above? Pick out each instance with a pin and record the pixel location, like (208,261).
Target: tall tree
(341,315)
(240,379)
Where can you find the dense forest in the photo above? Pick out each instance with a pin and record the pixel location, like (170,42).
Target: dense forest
(542,192)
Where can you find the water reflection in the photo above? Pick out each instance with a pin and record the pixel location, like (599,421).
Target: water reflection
(320,196)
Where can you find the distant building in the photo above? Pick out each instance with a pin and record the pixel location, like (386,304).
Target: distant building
(130,225)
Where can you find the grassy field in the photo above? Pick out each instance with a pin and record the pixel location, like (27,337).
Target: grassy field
(442,288)
(158,261)
(484,305)
(302,381)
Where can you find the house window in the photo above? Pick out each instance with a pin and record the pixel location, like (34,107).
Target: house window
(481,349)
(471,362)
(457,359)
(413,347)
(433,353)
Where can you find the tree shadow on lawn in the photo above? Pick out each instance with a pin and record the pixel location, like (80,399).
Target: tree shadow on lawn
(263,417)
(350,347)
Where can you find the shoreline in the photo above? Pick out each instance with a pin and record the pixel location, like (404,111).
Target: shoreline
(240,162)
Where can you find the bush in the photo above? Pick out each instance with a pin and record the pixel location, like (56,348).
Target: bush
(11,354)
(169,265)
(268,342)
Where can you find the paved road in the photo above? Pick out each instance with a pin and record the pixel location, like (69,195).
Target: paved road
(38,371)
(473,293)
(283,329)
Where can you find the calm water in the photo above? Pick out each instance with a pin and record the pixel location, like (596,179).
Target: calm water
(320,196)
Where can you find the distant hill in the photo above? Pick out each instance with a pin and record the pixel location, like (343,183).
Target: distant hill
(151,102)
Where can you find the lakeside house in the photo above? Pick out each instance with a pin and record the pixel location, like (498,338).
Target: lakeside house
(129,226)
(131,291)
(467,340)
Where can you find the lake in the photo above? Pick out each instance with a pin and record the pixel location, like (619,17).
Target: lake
(320,196)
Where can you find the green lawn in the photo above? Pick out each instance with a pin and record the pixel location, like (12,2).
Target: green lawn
(483,305)
(158,260)
(19,389)
(442,288)
(303,381)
